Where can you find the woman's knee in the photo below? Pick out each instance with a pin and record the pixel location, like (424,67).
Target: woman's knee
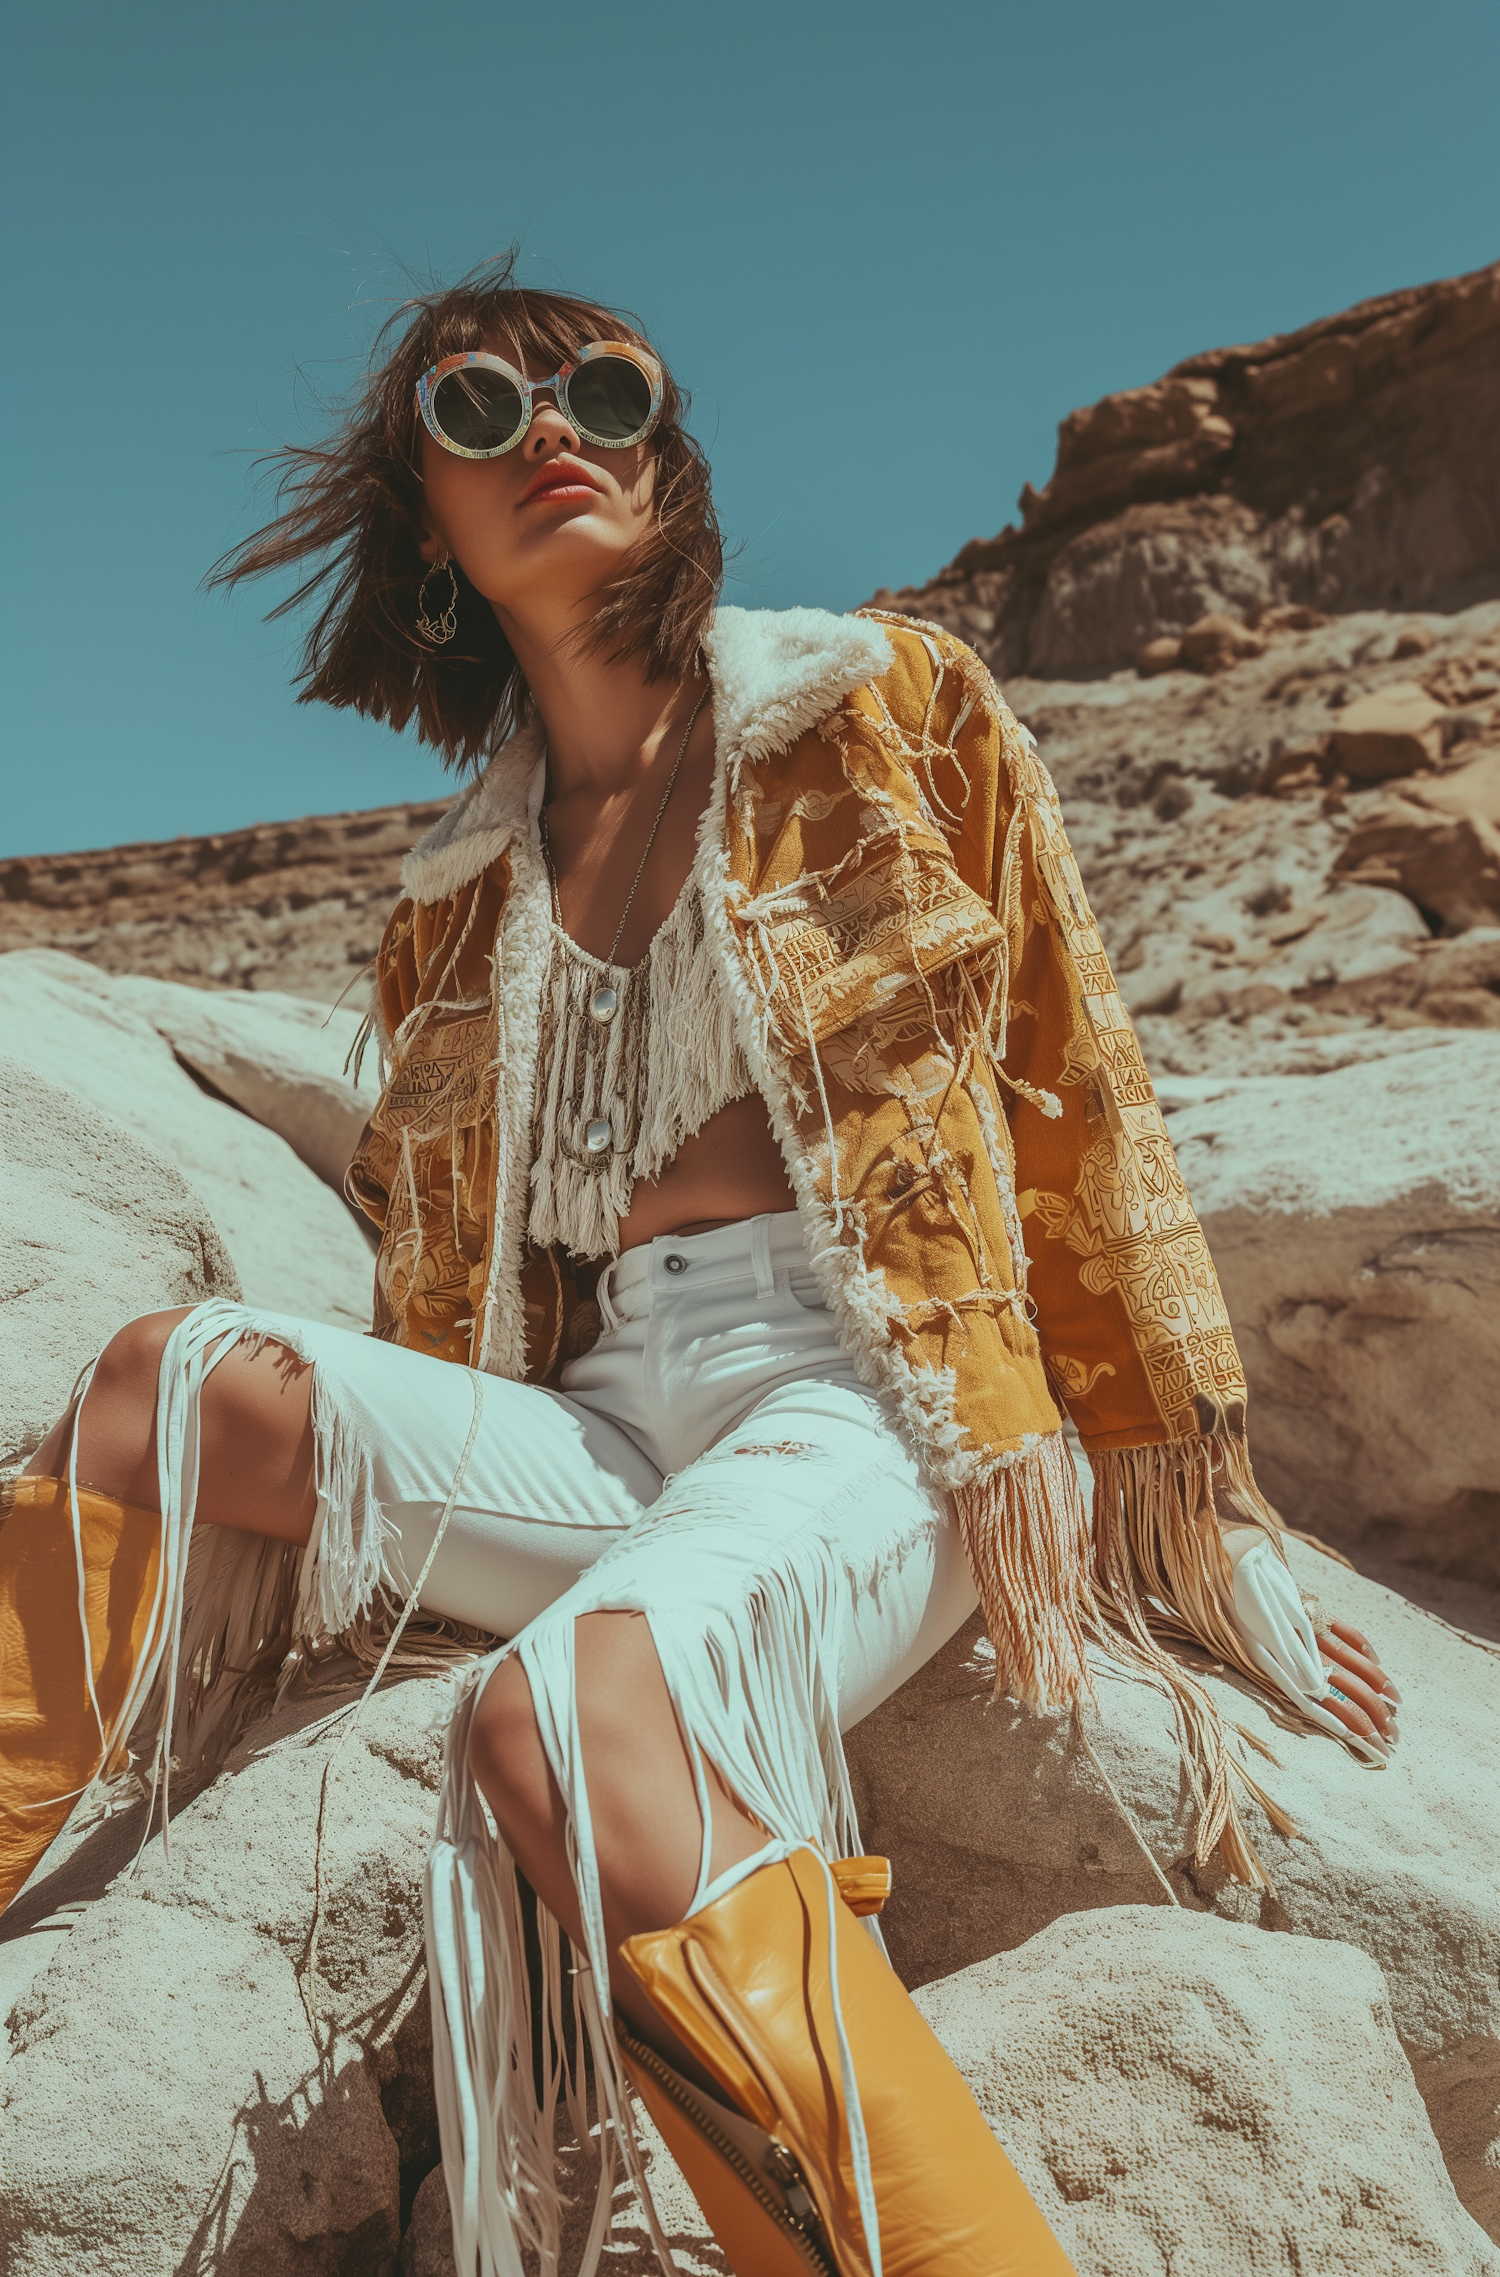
(131,1360)
(506,1755)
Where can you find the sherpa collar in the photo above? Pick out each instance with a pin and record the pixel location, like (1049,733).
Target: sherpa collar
(774,674)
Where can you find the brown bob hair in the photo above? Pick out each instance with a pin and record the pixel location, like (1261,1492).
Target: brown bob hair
(352,506)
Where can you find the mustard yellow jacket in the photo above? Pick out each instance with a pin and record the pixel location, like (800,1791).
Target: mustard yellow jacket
(990,1197)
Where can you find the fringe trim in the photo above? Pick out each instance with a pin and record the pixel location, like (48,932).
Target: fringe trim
(1160,1571)
(1026,1531)
(668,1060)
(756,1700)
(243,1616)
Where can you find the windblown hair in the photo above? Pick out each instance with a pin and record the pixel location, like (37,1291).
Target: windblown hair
(351,508)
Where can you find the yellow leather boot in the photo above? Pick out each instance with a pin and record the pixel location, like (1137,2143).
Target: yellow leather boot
(50,1733)
(754,1984)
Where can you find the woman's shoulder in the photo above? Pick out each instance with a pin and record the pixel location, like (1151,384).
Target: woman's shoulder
(932,674)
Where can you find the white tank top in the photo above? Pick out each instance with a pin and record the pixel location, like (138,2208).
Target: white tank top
(630,1062)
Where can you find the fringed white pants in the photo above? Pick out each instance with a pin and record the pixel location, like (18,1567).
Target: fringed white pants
(713,1464)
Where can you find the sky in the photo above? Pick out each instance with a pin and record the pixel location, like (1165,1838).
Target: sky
(886,248)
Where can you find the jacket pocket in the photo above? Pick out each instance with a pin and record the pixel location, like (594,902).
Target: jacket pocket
(837,946)
(437,1077)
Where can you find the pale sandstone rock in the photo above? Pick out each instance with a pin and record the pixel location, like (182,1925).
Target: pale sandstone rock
(280,1059)
(997,1823)
(1215,641)
(295,1245)
(164,2107)
(1355,1224)
(1396,731)
(95,1226)
(1446,862)
(1189,2095)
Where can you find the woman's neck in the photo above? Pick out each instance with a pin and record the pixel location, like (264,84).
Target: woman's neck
(604,721)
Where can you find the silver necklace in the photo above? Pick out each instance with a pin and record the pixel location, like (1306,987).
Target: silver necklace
(604,999)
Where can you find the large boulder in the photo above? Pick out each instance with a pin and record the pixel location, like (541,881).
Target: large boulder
(1355,1222)
(165,2107)
(281,1059)
(1188,2095)
(295,1244)
(999,1821)
(95,1226)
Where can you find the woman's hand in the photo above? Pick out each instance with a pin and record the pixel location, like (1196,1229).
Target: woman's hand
(1330,1672)
(1359,1692)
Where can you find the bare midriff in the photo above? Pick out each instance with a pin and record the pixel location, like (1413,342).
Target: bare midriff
(729,1170)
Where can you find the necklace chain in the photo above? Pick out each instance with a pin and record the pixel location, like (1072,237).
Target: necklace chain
(640,867)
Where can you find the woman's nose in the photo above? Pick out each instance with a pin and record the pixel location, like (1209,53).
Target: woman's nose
(550,429)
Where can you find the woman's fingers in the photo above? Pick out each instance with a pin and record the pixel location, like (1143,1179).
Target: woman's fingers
(1351,1714)
(1362,1706)
(1359,1664)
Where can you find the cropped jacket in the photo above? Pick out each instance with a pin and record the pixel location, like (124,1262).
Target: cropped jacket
(990,1198)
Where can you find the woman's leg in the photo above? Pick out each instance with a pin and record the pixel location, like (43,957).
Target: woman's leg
(648,1828)
(256,1444)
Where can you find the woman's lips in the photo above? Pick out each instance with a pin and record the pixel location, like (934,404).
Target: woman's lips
(559,483)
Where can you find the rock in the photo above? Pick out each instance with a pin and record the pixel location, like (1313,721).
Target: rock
(1353,465)
(1214,642)
(283,905)
(1191,2095)
(1355,1224)
(1394,732)
(95,1226)
(280,1059)
(1448,864)
(1348,933)
(1164,655)
(998,1823)
(1472,789)
(164,2106)
(295,1245)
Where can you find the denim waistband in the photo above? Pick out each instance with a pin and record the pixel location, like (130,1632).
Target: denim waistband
(757,1250)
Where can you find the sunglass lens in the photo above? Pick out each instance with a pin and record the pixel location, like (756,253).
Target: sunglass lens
(478,409)
(610,397)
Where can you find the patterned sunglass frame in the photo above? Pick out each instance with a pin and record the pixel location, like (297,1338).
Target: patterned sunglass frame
(428,384)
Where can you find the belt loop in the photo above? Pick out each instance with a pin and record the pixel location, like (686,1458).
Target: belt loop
(607,1311)
(760,1251)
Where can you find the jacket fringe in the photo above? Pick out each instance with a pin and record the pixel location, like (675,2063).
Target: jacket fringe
(1146,1568)
(1026,1531)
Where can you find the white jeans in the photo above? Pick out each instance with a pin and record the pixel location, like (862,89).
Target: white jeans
(713,1463)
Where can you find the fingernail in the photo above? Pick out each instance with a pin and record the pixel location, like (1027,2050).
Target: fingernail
(1391,1693)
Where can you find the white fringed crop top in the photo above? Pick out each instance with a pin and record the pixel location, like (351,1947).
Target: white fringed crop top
(630,1062)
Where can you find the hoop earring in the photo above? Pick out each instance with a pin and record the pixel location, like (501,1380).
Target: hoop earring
(438,630)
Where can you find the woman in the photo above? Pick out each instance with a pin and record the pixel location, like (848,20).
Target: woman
(764,1162)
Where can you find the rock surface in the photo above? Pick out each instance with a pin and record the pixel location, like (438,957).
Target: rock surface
(1188,2095)
(295,1244)
(1355,1224)
(280,1059)
(297,906)
(1354,464)
(1136,2061)
(998,1823)
(95,1226)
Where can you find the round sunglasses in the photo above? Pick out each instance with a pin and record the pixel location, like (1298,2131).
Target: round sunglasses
(479,406)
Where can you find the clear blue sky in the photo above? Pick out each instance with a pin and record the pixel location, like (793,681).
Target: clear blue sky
(886,246)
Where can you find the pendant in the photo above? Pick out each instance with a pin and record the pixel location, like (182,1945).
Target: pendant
(598,1134)
(604,1003)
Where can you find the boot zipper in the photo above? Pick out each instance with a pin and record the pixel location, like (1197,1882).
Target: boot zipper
(806,2237)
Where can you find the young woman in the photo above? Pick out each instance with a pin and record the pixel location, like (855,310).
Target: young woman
(764,1163)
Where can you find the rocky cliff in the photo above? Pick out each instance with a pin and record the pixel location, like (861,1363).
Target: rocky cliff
(1352,465)
(296,906)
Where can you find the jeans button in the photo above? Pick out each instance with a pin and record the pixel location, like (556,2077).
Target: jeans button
(675,1264)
